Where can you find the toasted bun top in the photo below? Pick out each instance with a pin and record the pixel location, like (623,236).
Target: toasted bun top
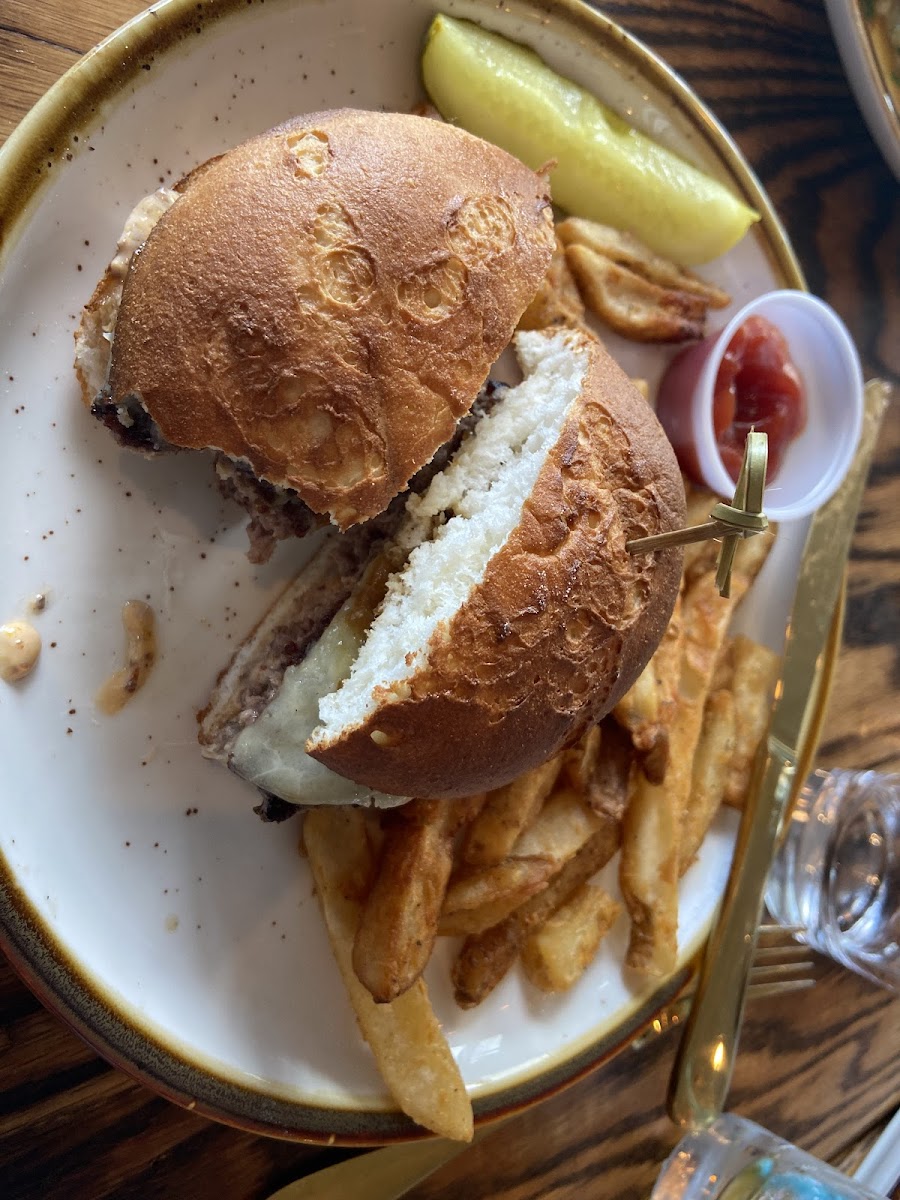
(325,300)
(560,625)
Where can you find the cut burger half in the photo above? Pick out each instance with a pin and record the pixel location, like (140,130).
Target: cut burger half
(320,306)
(499,618)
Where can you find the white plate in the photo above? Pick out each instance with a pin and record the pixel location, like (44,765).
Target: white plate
(138,893)
(864,51)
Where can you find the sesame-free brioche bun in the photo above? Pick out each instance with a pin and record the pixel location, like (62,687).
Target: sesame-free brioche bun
(323,302)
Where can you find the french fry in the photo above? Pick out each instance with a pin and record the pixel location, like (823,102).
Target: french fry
(399,920)
(712,760)
(578,761)
(464,921)
(562,828)
(705,619)
(643,386)
(633,306)
(506,813)
(607,791)
(640,709)
(699,557)
(411,1051)
(625,249)
(723,676)
(558,300)
(564,825)
(653,821)
(486,957)
(648,876)
(755,674)
(646,710)
(513,880)
(598,767)
(555,956)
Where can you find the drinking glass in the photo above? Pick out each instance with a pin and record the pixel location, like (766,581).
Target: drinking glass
(735,1159)
(837,873)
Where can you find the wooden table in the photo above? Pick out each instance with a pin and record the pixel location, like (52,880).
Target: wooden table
(823,1072)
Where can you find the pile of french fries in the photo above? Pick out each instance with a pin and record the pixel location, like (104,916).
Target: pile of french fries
(510,872)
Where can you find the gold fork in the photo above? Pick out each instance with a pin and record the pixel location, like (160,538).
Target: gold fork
(781,964)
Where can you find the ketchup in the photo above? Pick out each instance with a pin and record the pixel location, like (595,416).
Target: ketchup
(757,387)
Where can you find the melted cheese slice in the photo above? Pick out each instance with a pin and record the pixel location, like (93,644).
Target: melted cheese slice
(271,753)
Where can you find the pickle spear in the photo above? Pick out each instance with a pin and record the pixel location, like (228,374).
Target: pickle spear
(607,171)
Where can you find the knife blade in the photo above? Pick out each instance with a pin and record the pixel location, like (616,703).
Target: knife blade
(701,1076)
(385,1174)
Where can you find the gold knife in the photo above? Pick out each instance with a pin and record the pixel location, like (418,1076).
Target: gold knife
(385,1174)
(702,1073)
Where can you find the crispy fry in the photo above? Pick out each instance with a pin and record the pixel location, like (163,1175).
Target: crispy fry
(755,673)
(564,825)
(486,957)
(399,919)
(648,876)
(405,1037)
(653,821)
(712,758)
(627,251)
(578,761)
(464,921)
(514,880)
(643,386)
(699,557)
(634,306)
(646,711)
(608,784)
(598,768)
(563,282)
(705,619)
(562,828)
(640,709)
(723,676)
(558,300)
(506,813)
(557,955)
(698,502)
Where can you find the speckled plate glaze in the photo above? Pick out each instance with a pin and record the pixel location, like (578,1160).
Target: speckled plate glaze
(138,893)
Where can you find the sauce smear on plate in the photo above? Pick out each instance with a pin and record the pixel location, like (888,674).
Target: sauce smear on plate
(140,655)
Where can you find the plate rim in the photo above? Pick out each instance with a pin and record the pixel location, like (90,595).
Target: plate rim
(876,95)
(41,141)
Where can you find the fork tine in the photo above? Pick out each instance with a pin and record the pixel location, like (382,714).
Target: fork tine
(776,970)
(779,970)
(770,930)
(796,950)
(782,963)
(760,990)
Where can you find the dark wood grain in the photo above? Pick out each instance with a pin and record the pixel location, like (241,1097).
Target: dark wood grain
(607,1136)
(824,1072)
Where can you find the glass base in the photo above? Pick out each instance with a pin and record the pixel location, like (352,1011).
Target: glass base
(735,1159)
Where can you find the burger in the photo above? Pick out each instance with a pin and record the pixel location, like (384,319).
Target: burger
(321,307)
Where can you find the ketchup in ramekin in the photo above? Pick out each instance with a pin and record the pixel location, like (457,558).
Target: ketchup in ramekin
(755,368)
(757,387)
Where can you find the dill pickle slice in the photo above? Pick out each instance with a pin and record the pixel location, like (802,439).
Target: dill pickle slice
(607,171)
